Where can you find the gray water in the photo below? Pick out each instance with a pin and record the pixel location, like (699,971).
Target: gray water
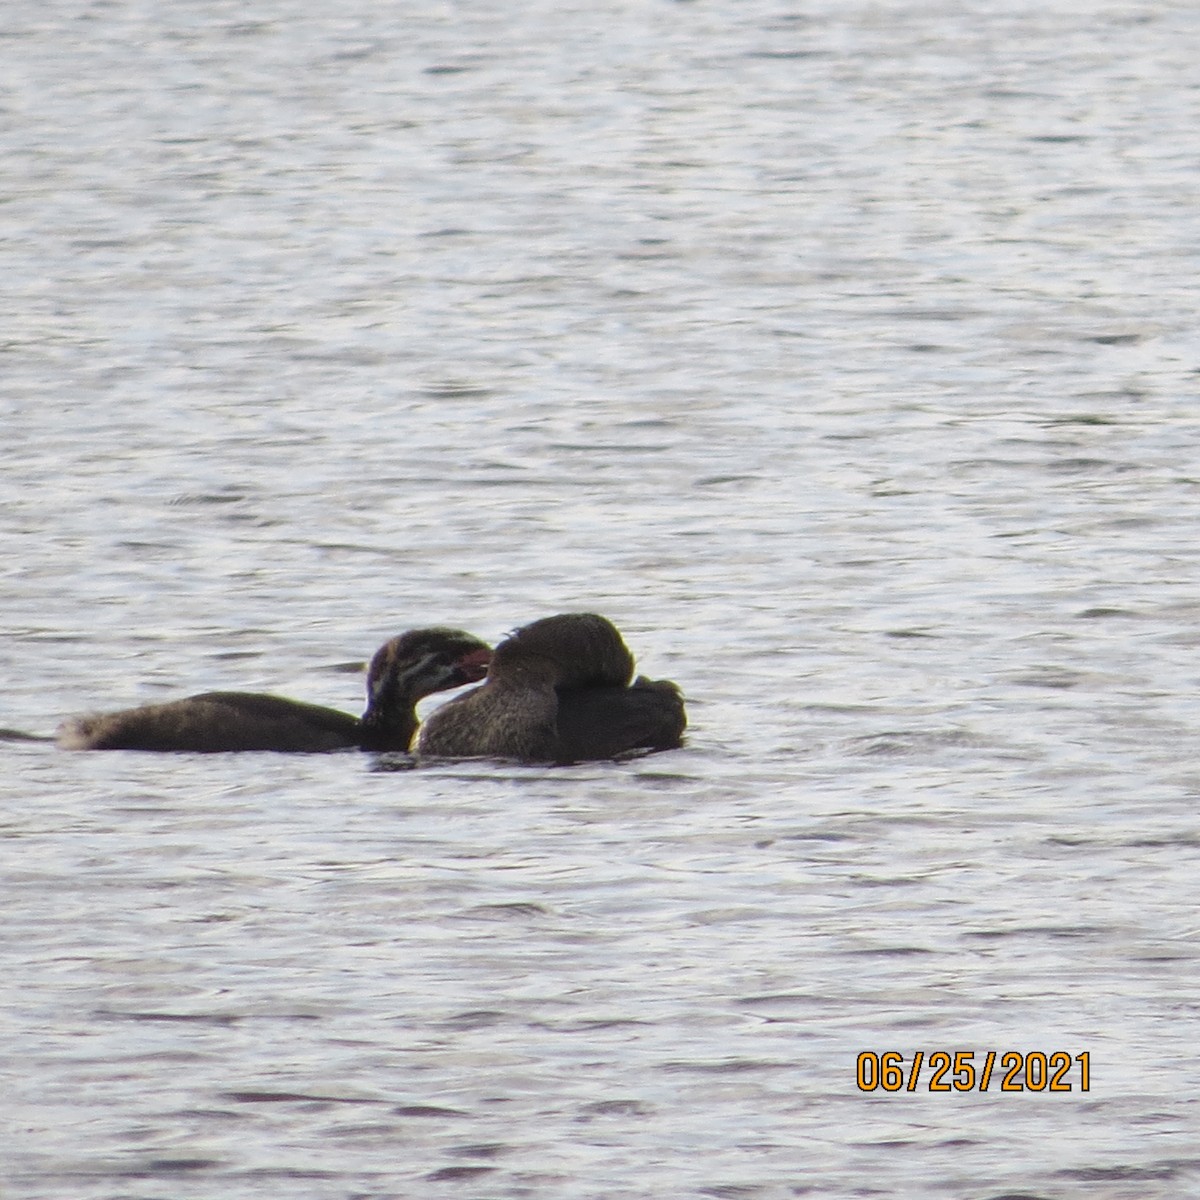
(844,354)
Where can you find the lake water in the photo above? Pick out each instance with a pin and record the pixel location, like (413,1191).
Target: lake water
(844,354)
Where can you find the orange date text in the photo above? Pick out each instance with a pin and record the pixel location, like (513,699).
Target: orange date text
(974,1071)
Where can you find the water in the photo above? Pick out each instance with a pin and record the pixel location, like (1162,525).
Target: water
(844,355)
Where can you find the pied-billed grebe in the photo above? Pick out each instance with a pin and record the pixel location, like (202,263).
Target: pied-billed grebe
(558,690)
(403,671)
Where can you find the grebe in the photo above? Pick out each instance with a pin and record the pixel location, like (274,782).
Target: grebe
(558,690)
(403,671)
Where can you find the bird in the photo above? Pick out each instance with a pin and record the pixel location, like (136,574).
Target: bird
(402,671)
(558,690)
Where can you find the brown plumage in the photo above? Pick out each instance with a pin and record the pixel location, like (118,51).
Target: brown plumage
(558,690)
(403,670)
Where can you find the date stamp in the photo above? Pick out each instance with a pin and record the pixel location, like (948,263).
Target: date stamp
(966,1071)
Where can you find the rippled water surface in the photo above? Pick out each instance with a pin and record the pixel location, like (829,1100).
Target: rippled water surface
(844,354)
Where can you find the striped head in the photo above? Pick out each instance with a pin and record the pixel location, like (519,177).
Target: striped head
(421,662)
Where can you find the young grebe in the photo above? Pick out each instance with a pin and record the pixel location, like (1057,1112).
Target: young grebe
(403,671)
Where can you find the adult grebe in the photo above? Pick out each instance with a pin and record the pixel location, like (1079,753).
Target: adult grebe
(558,690)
